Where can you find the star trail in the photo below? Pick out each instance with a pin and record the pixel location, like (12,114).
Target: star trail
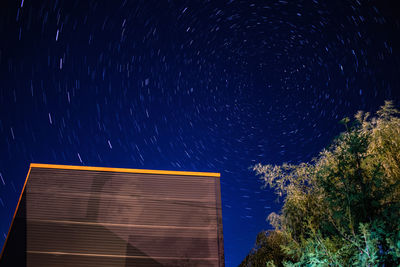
(213,86)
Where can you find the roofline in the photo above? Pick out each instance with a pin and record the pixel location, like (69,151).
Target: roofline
(107,169)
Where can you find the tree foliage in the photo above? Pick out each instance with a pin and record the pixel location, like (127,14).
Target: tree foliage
(343,208)
(267,250)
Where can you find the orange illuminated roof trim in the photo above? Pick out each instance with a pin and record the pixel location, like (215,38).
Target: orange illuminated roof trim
(106,169)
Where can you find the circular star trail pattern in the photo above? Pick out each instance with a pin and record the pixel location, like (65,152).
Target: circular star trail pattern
(188,85)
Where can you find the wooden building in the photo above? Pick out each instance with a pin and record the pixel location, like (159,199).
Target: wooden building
(90,216)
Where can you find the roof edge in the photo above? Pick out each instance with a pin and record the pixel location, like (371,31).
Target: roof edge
(108,169)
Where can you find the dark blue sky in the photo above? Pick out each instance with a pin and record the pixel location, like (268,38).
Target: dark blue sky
(188,85)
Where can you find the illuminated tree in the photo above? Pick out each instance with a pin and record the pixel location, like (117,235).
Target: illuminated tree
(343,208)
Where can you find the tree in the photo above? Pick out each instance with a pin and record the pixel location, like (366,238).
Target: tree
(267,250)
(343,208)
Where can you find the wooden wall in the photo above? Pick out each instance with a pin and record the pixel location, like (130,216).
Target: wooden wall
(73,217)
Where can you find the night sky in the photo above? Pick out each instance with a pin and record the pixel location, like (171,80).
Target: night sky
(187,85)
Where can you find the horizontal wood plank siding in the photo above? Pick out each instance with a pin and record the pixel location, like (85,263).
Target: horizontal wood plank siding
(127,184)
(51,260)
(86,217)
(97,208)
